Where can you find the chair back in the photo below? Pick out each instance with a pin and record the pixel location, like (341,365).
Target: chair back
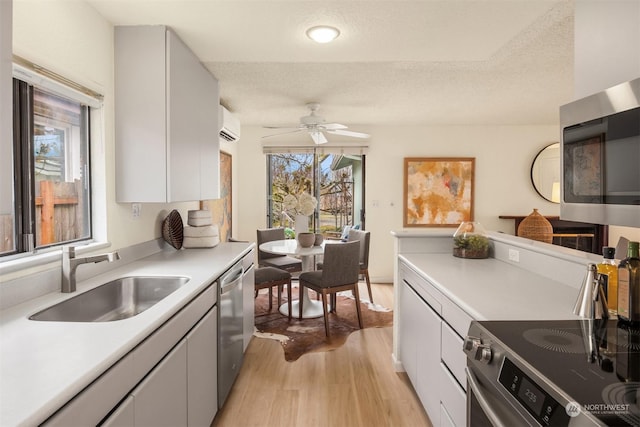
(364,238)
(268,235)
(341,263)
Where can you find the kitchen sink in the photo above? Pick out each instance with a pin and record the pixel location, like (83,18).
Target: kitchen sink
(115,300)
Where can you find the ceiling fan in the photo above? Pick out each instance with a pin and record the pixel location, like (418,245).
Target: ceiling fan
(315,126)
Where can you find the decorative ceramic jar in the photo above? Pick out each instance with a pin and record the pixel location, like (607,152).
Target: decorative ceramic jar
(536,227)
(470,241)
(306,240)
(318,240)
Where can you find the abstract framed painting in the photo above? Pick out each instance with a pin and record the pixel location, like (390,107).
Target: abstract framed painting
(221,208)
(438,192)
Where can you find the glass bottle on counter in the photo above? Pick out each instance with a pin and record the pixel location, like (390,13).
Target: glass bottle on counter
(609,273)
(629,286)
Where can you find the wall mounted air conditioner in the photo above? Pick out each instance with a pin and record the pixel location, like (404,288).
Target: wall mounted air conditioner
(230,126)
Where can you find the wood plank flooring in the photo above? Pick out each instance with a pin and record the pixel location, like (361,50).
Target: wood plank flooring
(352,386)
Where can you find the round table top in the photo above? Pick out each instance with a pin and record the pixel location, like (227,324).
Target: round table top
(290,247)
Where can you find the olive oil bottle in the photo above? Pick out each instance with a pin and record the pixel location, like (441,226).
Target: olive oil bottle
(609,273)
(629,286)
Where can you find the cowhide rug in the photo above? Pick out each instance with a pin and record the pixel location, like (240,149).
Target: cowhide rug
(298,337)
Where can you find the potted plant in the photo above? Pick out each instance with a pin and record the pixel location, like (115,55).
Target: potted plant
(470,241)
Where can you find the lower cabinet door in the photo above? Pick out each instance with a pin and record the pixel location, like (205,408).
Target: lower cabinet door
(428,352)
(202,371)
(419,345)
(161,398)
(452,398)
(408,332)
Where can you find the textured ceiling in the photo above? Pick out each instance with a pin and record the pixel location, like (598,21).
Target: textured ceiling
(396,62)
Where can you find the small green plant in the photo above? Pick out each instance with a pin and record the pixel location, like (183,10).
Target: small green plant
(473,242)
(289,233)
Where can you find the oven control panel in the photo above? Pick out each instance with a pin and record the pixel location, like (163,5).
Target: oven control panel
(476,350)
(544,408)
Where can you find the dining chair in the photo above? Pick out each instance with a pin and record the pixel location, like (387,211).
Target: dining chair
(267,278)
(265,259)
(339,273)
(364,237)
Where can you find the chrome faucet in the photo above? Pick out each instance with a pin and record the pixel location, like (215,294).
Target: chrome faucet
(70,263)
(592,302)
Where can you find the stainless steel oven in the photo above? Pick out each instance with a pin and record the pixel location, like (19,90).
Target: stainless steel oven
(541,373)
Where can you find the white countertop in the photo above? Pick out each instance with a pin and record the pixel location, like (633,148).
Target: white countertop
(45,364)
(489,289)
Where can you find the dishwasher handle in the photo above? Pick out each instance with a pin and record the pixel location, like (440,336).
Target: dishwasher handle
(231,279)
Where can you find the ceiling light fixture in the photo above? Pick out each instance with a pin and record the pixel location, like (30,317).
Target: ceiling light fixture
(323,33)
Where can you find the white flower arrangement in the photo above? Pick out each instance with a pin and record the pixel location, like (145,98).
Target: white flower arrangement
(305,204)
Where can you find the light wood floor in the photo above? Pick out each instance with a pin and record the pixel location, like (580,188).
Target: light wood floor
(354,385)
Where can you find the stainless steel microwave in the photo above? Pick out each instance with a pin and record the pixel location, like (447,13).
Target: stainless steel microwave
(600,157)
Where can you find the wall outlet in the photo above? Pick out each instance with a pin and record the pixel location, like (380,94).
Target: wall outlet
(135,210)
(514,255)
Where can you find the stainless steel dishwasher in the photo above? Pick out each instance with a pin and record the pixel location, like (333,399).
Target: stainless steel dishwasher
(230,329)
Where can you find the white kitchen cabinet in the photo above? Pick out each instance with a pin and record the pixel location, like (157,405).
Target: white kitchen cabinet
(161,398)
(166,119)
(452,397)
(123,416)
(407,342)
(202,371)
(421,349)
(182,390)
(430,349)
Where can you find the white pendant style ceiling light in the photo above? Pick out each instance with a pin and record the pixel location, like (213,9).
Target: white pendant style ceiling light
(323,33)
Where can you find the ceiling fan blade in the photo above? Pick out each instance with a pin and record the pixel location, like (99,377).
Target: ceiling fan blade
(281,127)
(349,133)
(333,126)
(282,133)
(317,136)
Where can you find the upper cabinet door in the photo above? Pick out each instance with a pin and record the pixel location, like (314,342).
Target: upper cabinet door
(166,112)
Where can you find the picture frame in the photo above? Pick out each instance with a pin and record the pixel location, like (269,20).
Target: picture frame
(438,191)
(221,212)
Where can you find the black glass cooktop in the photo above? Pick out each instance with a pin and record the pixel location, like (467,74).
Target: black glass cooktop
(597,364)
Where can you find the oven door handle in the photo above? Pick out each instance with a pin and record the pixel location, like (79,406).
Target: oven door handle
(476,389)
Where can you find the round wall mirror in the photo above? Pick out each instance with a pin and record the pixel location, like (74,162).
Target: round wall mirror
(545,172)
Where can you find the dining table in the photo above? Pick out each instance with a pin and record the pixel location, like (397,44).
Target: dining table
(310,308)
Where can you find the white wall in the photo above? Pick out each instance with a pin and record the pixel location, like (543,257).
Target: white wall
(503,185)
(607,52)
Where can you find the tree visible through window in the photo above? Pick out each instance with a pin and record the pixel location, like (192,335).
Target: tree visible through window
(335,180)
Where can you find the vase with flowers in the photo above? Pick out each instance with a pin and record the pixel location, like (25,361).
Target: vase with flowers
(300,207)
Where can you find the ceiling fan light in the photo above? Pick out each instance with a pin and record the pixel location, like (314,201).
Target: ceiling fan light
(323,33)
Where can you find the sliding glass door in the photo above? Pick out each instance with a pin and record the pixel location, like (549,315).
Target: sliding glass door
(335,180)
